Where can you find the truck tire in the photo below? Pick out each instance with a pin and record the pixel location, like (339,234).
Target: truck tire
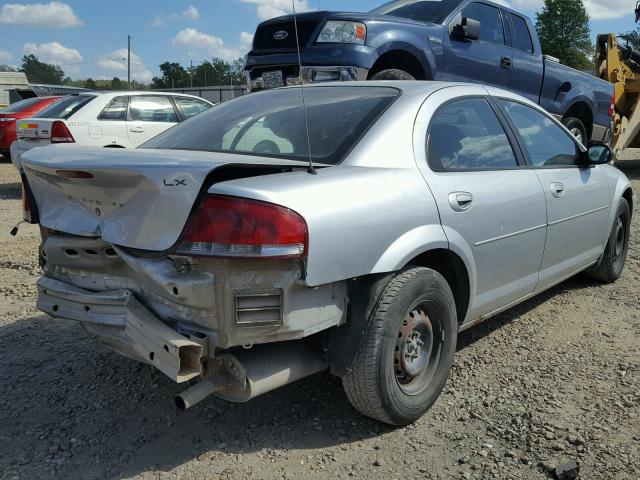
(577,129)
(392,74)
(612,263)
(405,357)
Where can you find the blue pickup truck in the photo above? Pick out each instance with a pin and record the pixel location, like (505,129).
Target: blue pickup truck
(450,40)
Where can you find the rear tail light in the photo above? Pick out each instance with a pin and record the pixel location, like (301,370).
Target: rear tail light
(60,133)
(612,107)
(237,227)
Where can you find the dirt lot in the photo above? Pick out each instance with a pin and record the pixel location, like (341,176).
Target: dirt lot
(556,377)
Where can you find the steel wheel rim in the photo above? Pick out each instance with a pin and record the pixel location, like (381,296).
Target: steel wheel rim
(417,350)
(576,132)
(620,238)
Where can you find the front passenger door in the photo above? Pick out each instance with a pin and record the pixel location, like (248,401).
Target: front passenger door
(577,195)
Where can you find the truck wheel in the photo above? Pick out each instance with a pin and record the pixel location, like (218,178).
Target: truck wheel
(392,74)
(406,354)
(610,267)
(577,129)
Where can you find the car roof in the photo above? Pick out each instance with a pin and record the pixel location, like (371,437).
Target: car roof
(117,93)
(427,87)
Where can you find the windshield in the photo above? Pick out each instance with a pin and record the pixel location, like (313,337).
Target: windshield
(273,123)
(434,11)
(66,107)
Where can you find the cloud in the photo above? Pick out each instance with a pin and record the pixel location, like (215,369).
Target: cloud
(5,56)
(53,14)
(116,62)
(198,42)
(53,52)
(597,9)
(275,8)
(162,20)
(191,13)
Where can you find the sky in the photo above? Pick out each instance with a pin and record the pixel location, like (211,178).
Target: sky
(88,38)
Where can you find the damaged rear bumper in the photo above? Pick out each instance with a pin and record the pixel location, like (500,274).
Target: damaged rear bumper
(119,320)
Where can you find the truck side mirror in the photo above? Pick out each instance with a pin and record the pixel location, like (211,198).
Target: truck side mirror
(467,29)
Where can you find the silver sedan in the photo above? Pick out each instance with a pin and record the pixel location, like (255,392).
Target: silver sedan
(249,251)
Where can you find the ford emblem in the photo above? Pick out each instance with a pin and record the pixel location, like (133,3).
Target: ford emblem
(280,35)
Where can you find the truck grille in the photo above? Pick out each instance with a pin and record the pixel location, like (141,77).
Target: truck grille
(265,38)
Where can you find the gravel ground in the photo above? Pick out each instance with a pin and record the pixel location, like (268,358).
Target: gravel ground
(557,377)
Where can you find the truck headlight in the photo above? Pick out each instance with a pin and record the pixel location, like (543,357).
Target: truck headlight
(343,32)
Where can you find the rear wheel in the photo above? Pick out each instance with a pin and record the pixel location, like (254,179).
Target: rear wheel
(577,129)
(610,267)
(392,74)
(404,360)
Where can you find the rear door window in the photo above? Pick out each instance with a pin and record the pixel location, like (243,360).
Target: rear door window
(467,135)
(116,110)
(190,106)
(66,107)
(521,35)
(152,108)
(490,22)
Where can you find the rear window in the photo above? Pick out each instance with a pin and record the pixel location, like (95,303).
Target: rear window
(522,38)
(21,105)
(434,11)
(272,123)
(66,107)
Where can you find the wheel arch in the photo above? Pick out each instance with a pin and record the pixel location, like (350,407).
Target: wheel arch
(582,110)
(365,294)
(628,196)
(402,58)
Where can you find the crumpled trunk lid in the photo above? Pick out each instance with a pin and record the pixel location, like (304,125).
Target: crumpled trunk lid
(133,198)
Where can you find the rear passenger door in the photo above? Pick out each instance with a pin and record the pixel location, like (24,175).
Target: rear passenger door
(487,60)
(149,116)
(491,207)
(527,69)
(111,130)
(577,195)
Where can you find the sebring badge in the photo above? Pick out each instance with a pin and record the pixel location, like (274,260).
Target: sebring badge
(280,35)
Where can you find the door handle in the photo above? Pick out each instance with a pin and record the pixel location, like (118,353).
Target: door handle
(557,189)
(505,62)
(137,129)
(461,201)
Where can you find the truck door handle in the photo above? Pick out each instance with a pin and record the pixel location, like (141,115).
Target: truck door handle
(137,129)
(557,189)
(461,201)
(505,62)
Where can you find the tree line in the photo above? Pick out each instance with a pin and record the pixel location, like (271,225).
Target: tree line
(173,75)
(562,26)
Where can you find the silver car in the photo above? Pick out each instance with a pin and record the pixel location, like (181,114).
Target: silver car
(239,250)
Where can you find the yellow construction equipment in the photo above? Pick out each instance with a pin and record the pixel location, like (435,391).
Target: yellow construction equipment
(620,64)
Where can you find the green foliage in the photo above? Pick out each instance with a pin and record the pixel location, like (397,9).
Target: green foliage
(90,84)
(563,28)
(207,73)
(40,72)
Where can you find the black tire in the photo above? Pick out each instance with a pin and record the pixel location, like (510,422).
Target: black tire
(615,254)
(577,128)
(378,385)
(392,74)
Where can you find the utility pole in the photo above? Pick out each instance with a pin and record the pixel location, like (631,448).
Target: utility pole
(191,70)
(205,73)
(129,61)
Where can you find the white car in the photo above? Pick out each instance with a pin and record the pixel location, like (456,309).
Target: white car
(114,120)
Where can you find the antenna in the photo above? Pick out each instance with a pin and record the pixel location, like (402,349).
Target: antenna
(311,168)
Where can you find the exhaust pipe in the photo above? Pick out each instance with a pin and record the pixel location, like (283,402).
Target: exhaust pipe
(267,367)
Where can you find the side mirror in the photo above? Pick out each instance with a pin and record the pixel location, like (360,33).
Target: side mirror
(599,154)
(467,29)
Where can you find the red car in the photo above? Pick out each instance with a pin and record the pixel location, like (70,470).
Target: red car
(22,109)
